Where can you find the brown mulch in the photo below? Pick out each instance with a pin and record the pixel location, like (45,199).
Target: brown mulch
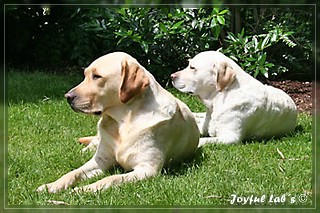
(300,92)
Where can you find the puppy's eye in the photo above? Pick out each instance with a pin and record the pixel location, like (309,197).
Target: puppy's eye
(192,67)
(95,76)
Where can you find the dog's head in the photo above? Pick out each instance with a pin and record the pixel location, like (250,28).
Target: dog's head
(110,81)
(207,72)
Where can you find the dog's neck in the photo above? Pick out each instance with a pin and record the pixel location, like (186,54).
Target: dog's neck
(207,97)
(123,112)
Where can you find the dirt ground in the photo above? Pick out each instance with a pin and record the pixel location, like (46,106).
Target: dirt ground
(300,92)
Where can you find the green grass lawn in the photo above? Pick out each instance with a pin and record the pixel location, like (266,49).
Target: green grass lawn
(42,146)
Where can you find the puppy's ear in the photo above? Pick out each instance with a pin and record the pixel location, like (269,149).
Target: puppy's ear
(225,76)
(133,80)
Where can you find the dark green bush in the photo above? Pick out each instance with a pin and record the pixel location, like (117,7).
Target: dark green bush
(160,38)
(250,51)
(290,61)
(275,41)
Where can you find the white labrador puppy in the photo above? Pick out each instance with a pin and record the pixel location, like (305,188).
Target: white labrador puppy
(239,107)
(142,126)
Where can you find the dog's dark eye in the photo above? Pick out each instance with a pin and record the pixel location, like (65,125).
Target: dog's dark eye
(95,76)
(192,67)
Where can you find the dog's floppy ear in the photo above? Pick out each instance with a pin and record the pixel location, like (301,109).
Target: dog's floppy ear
(133,80)
(225,76)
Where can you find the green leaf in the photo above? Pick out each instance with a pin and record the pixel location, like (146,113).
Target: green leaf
(163,28)
(260,44)
(129,32)
(215,11)
(233,58)
(216,31)
(213,22)
(265,41)
(262,59)
(274,37)
(160,35)
(256,73)
(144,45)
(255,42)
(176,25)
(232,36)
(289,33)
(288,41)
(121,40)
(269,65)
(251,59)
(223,12)
(242,32)
(194,23)
(221,20)
(252,67)
(264,72)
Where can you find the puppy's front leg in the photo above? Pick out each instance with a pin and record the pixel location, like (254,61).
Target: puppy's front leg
(205,126)
(202,120)
(139,173)
(88,170)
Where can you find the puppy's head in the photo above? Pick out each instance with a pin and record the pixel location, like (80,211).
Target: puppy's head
(110,81)
(207,72)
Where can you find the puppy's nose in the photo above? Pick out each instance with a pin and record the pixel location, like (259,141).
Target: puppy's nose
(70,96)
(173,76)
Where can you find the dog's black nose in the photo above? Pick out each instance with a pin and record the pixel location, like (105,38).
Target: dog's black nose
(70,96)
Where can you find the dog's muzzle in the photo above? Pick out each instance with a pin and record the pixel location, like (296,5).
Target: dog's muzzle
(84,107)
(70,96)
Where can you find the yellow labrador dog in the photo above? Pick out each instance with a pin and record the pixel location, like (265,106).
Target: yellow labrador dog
(238,106)
(142,126)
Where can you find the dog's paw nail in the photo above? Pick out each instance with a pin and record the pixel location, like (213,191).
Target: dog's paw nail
(77,190)
(81,190)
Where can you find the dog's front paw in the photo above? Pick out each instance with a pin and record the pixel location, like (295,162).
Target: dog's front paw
(42,188)
(94,187)
(89,148)
(92,146)
(50,187)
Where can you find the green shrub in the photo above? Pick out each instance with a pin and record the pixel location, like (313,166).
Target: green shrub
(289,62)
(250,51)
(275,41)
(160,38)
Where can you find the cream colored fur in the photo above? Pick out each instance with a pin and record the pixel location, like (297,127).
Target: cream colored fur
(142,127)
(239,107)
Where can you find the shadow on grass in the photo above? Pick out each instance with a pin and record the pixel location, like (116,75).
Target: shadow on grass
(200,156)
(174,169)
(299,129)
(194,161)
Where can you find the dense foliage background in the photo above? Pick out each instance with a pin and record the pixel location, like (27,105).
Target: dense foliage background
(266,42)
